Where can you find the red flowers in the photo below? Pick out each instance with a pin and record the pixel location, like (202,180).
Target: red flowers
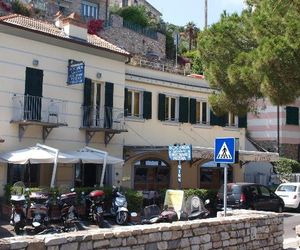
(94,26)
(5,6)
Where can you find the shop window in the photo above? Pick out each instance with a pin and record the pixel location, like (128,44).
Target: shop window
(212,176)
(232,120)
(151,175)
(28,173)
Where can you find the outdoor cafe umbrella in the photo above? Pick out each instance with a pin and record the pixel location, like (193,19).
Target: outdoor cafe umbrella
(38,154)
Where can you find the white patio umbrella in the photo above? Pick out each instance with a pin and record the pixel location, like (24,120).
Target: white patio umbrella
(39,154)
(96,156)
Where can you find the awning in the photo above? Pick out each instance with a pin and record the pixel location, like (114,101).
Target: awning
(244,155)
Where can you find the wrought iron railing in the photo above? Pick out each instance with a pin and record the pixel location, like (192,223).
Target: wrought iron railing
(103,117)
(139,29)
(41,109)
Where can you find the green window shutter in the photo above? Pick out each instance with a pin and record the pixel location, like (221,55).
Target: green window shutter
(242,122)
(218,120)
(292,115)
(147,105)
(193,111)
(126,102)
(87,90)
(161,107)
(109,94)
(183,109)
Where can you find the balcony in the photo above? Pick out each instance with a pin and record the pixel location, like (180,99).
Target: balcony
(102,119)
(34,110)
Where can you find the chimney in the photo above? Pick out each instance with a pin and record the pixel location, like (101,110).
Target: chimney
(74,27)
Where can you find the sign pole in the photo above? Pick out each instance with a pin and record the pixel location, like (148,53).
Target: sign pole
(225,189)
(179,179)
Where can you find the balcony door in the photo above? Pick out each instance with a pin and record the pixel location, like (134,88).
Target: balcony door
(33,94)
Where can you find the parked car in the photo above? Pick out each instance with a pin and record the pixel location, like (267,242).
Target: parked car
(250,196)
(290,193)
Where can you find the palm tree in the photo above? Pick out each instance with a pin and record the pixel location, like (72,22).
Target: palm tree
(190,29)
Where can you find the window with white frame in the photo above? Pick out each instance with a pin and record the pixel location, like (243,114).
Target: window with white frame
(89,9)
(134,103)
(232,120)
(201,112)
(171,108)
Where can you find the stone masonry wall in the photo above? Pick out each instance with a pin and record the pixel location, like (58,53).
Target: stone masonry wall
(132,41)
(242,230)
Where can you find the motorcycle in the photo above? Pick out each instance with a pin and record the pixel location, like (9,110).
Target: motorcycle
(19,208)
(39,210)
(66,203)
(94,206)
(119,207)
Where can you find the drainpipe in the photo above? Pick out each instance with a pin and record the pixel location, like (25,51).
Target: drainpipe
(56,152)
(104,162)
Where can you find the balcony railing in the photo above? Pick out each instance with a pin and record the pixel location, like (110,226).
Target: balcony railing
(28,108)
(103,118)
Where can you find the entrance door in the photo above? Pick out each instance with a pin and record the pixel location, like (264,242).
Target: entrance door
(33,94)
(90,175)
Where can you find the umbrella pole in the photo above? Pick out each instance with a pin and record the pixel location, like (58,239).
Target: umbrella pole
(54,170)
(103,170)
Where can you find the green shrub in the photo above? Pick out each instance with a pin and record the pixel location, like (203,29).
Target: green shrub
(20,8)
(134,200)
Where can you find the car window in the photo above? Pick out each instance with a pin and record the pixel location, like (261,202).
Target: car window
(264,191)
(287,188)
(231,188)
(253,190)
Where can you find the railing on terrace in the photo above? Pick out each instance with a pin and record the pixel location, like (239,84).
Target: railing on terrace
(139,29)
(103,118)
(161,66)
(39,109)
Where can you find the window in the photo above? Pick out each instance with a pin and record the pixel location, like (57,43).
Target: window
(232,120)
(89,9)
(292,115)
(264,192)
(134,103)
(151,174)
(201,112)
(28,173)
(170,108)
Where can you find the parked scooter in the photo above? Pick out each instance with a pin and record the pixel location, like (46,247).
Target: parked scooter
(66,203)
(94,206)
(194,209)
(39,210)
(19,207)
(119,207)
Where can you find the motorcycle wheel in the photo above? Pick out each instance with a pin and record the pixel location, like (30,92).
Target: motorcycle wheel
(121,218)
(99,220)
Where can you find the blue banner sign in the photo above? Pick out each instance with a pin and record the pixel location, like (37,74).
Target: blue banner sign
(75,72)
(180,152)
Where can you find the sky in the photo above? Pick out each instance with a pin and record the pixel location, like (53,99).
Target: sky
(180,12)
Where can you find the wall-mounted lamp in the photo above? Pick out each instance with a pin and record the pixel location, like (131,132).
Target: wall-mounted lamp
(98,75)
(35,62)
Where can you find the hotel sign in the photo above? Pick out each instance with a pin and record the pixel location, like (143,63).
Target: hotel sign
(75,72)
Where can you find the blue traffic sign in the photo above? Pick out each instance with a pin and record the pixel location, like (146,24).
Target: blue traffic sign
(224,150)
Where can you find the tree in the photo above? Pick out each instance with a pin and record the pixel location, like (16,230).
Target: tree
(191,33)
(135,14)
(254,55)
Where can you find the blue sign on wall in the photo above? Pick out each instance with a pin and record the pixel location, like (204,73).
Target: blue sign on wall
(75,72)
(224,150)
(180,152)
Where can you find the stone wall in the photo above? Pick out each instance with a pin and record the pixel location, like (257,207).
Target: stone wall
(290,151)
(134,42)
(242,230)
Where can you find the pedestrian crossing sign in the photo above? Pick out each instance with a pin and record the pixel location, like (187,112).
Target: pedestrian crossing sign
(224,150)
